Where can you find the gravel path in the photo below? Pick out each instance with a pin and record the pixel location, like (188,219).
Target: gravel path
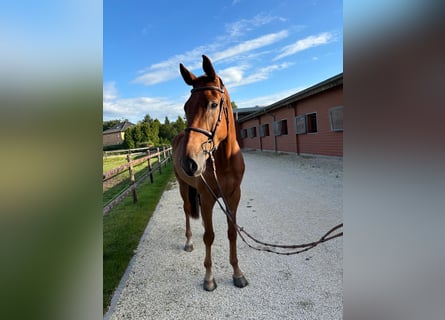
(285,199)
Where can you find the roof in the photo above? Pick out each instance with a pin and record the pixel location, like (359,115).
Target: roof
(119,127)
(247,110)
(241,112)
(315,89)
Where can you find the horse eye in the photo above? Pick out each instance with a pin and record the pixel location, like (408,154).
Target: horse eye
(213,105)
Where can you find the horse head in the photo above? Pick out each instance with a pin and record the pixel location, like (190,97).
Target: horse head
(207,111)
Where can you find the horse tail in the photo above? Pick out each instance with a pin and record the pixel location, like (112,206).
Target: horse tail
(194,202)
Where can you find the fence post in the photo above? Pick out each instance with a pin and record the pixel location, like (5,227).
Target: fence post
(165,156)
(132,178)
(159,160)
(150,168)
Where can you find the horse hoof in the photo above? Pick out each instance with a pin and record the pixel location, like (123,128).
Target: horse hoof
(188,247)
(240,282)
(210,285)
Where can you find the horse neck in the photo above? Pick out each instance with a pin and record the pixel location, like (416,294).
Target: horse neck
(230,144)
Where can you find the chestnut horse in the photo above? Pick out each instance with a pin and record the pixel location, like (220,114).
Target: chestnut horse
(210,133)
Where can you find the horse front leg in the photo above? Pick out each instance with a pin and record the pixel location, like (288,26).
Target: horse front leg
(209,236)
(183,189)
(188,234)
(238,277)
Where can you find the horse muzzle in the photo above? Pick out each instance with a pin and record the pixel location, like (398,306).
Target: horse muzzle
(191,167)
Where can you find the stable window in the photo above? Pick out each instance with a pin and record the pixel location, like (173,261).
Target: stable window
(311,121)
(251,132)
(336,118)
(264,130)
(300,124)
(306,123)
(243,133)
(280,127)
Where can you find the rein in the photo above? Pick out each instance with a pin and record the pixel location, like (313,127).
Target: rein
(268,247)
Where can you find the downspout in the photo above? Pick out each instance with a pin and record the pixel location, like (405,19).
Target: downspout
(274,135)
(259,133)
(296,135)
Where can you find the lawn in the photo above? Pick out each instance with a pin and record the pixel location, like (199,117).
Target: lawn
(119,183)
(112,162)
(123,227)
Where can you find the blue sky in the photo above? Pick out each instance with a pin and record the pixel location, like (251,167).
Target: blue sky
(263,50)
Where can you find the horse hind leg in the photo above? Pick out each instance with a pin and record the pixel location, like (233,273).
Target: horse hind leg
(194,202)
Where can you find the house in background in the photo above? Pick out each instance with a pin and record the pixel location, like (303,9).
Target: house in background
(116,134)
(309,122)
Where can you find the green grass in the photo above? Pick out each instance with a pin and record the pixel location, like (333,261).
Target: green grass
(112,162)
(124,226)
(122,181)
(109,163)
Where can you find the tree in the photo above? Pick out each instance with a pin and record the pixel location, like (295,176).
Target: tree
(147,119)
(150,132)
(137,134)
(155,131)
(234,106)
(145,130)
(165,131)
(128,139)
(179,125)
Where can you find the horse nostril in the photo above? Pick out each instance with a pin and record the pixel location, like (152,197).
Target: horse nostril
(189,165)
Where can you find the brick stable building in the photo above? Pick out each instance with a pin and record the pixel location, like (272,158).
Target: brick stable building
(309,122)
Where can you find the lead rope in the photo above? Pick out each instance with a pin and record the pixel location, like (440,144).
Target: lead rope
(268,247)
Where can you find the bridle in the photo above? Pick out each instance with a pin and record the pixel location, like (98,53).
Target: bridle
(211,134)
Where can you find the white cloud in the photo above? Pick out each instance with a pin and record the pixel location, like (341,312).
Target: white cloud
(232,74)
(168,69)
(257,75)
(306,43)
(242,26)
(109,91)
(250,45)
(157,76)
(134,109)
(264,101)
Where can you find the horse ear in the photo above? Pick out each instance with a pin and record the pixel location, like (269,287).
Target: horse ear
(208,67)
(188,77)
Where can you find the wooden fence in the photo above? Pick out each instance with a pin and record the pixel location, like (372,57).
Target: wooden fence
(125,151)
(163,155)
